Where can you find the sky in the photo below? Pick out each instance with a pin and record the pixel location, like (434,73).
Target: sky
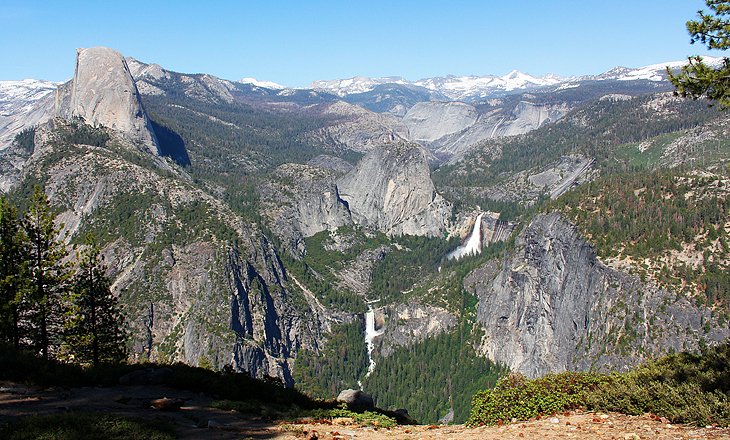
(296,42)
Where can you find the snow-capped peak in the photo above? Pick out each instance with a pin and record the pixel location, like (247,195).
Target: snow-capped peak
(453,87)
(356,84)
(265,84)
(25,90)
(652,72)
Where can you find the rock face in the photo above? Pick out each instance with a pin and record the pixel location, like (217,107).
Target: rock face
(428,121)
(23,104)
(356,399)
(553,180)
(410,323)
(301,200)
(356,128)
(103,92)
(199,300)
(450,129)
(553,306)
(391,190)
(265,322)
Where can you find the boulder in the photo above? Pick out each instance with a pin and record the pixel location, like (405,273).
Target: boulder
(356,399)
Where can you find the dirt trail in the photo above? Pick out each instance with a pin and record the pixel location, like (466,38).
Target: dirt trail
(576,425)
(197,420)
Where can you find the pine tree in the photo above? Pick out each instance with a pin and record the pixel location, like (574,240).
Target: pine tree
(94,329)
(49,275)
(698,79)
(13,272)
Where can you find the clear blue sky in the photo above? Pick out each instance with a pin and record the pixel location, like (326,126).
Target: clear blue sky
(295,42)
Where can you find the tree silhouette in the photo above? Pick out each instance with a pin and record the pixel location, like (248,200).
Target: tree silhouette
(49,274)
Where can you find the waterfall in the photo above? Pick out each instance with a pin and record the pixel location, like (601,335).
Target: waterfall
(473,245)
(370,334)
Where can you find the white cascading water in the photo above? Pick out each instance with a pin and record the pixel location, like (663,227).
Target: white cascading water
(370,334)
(473,245)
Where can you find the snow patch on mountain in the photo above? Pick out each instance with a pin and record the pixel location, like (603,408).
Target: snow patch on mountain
(357,84)
(466,88)
(652,72)
(22,94)
(23,104)
(264,84)
(453,87)
(462,87)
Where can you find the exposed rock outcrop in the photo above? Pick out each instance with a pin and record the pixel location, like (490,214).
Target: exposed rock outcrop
(103,92)
(428,121)
(356,399)
(355,128)
(551,306)
(450,129)
(301,200)
(391,190)
(409,323)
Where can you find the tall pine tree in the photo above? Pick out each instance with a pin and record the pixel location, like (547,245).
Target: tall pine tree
(697,79)
(94,332)
(49,275)
(13,272)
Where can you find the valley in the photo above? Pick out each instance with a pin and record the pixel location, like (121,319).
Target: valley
(417,240)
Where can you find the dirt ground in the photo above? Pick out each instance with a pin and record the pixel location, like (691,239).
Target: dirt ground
(576,425)
(197,420)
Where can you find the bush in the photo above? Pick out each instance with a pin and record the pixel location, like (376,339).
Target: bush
(684,388)
(515,397)
(367,418)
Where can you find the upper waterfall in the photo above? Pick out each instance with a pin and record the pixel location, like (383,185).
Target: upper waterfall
(473,245)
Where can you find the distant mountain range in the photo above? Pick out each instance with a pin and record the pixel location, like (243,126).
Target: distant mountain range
(459,88)
(470,88)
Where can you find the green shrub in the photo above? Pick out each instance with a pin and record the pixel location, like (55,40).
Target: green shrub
(367,418)
(684,388)
(679,402)
(515,397)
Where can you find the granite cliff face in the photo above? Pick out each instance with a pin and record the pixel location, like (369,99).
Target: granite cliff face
(300,200)
(409,323)
(552,306)
(103,92)
(450,129)
(191,292)
(357,129)
(391,190)
(428,121)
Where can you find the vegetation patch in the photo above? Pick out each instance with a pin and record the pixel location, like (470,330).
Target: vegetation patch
(411,260)
(26,139)
(433,377)
(670,226)
(515,397)
(684,388)
(366,418)
(86,425)
(340,364)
